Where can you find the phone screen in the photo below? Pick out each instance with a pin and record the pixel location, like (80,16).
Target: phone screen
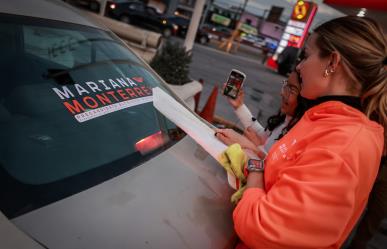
(234,84)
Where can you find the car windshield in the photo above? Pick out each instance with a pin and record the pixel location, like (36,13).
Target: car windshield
(75,110)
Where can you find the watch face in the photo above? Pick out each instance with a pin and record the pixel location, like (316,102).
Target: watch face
(256,163)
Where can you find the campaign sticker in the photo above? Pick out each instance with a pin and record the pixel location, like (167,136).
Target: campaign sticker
(93,99)
(95,113)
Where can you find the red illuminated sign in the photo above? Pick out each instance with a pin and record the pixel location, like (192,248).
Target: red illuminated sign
(297,28)
(299,24)
(301,11)
(294,40)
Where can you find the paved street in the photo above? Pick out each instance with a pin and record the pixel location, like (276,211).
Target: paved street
(262,85)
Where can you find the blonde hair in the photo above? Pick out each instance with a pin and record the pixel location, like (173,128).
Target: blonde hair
(363,49)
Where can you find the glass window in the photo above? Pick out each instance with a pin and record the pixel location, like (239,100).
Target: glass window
(136,6)
(75,110)
(151,11)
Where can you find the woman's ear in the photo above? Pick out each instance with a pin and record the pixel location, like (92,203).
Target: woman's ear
(334,61)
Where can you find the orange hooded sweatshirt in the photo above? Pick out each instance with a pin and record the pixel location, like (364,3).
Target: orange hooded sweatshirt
(317,181)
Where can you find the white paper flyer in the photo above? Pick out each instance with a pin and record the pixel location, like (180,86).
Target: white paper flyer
(190,124)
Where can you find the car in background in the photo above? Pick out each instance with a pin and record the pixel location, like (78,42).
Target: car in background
(217,32)
(93,5)
(139,14)
(182,24)
(253,40)
(272,44)
(86,161)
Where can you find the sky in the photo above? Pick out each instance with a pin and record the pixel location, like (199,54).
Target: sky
(257,7)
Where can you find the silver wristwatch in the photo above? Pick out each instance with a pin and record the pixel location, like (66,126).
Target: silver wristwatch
(255,165)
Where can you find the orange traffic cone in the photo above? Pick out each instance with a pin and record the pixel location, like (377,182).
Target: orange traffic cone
(197,97)
(209,108)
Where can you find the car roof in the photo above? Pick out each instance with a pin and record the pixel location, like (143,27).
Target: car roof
(48,9)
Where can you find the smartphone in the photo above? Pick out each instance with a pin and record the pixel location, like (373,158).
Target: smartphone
(234,83)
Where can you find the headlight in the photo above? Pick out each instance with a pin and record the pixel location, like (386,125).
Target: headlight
(175,27)
(164,22)
(112,6)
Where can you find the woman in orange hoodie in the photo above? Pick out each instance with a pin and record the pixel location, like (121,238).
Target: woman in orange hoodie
(318,177)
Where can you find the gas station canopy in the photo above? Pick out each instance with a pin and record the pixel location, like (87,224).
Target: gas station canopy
(369,4)
(375,9)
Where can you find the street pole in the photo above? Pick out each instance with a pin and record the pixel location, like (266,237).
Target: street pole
(208,6)
(243,8)
(193,25)
(227,45)
(102,7)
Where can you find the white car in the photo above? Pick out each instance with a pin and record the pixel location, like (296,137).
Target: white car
(254,41)
(86,161)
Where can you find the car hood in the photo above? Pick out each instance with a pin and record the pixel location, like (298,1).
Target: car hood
(48,9)
(178,199)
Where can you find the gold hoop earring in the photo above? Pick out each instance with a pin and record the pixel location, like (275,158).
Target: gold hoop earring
(326,73)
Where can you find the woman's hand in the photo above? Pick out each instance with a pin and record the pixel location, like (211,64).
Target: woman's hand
(252,136)
(236,103)
(229,136)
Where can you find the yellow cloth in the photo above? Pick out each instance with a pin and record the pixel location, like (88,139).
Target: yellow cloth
(233,159)
(238,194)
